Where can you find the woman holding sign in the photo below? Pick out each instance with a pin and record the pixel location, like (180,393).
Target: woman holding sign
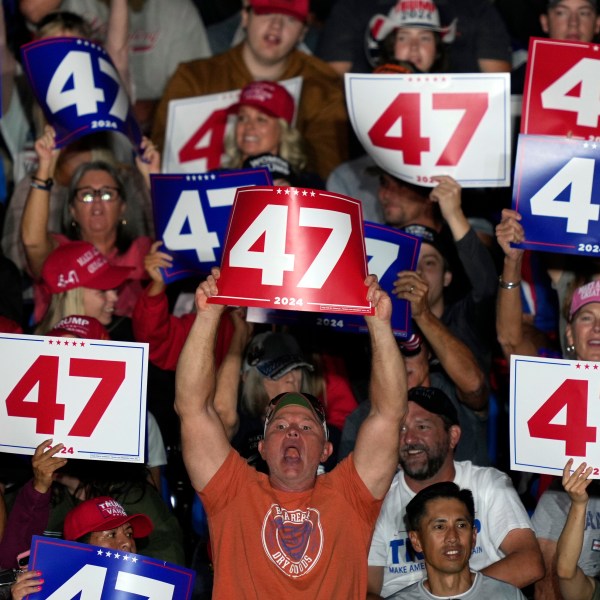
(97,203)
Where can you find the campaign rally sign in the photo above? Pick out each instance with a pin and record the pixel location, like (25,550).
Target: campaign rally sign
(89,395)
(78,88)
(196,129)
(389,251)
(557,192)
(417,126)
(562,89)
(72,569)
(295,249)
(554,414)
(191,213)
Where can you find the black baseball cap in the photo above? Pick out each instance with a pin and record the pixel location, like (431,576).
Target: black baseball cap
(435,401)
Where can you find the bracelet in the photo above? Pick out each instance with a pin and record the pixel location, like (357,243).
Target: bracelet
(39,186)
(508,285)
(47,183)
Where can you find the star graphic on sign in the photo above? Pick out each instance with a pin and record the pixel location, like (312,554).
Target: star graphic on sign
(51,342)
(73,343)
(594,146)
(82,344)
(108,553)
(578,366)
(100,553)
(312,194)
(116,555)
(595,367)
(213,176)
(595,48)
(58,342)
(296,192)
(587,366)
(287,192)
(125,557)
(279,190)
(134,559)
(304,193)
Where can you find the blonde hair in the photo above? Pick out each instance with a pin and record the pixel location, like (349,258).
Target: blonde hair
(291,148)
(62,305)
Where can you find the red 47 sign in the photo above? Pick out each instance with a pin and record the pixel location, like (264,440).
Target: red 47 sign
(554,414)
(562,89)
(416,126)
(88,394)
(297,249)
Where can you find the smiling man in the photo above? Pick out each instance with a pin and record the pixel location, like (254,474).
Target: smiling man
(506,547)
(291,533)
(441,525)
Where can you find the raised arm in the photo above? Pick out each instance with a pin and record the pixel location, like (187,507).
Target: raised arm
(117,42)
(574,583)
(509,313)
(37,241)
(204,443)
(228,375)
(456,358)
(376,450)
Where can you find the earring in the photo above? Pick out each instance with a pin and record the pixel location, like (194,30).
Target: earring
(571,349)
(73,224)
(123,222)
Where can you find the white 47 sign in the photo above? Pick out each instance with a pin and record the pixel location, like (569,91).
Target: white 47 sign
(88,394)
(418,126)
(554,414)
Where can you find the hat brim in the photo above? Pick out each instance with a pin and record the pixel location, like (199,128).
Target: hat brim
(109,279)
(140,524)
(381,26)
(277,368)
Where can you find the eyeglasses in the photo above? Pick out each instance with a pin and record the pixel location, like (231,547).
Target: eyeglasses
(89,194)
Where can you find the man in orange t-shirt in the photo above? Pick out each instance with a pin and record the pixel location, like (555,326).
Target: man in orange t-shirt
(290,533)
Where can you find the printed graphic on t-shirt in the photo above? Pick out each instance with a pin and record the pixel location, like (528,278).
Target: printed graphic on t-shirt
(293,539)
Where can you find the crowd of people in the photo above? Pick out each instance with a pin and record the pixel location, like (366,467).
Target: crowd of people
(293,461)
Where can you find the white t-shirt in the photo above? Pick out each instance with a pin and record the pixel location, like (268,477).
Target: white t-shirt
(498,510)
(161,35)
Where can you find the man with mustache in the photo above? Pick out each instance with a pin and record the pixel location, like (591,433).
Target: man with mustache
(506,547)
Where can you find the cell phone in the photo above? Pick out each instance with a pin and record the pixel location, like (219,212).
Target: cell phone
(23,559)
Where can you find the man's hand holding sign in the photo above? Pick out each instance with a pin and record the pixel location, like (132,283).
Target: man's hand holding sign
(297,249)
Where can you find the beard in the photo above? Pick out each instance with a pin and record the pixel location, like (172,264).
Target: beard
(423,470)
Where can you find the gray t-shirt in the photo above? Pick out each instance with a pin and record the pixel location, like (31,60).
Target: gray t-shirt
(483,587)
(549,519)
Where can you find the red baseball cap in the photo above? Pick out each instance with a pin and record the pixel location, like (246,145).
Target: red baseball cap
(268,97)
(293,8)
(100,514)
(80,264)
(80,326)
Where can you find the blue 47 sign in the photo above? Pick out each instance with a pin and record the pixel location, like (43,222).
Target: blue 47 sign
(557,192)
(191,213)
(71,569)
(78,88)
